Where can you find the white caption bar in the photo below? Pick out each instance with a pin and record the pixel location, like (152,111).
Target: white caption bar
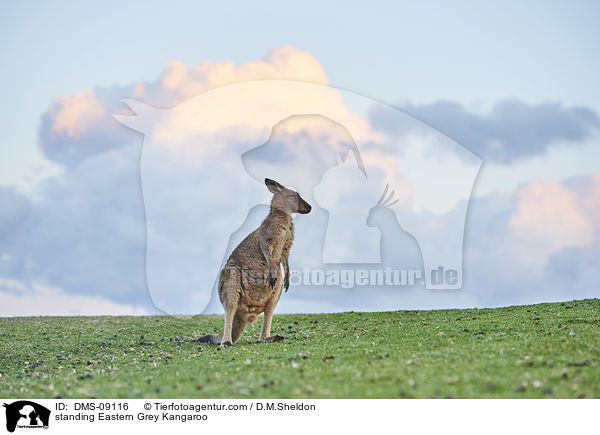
(298,416)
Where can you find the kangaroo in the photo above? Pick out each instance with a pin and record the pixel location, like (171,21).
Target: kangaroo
(251,281)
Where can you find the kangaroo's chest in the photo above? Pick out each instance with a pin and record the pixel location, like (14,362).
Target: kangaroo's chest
(255,291)
(282,238)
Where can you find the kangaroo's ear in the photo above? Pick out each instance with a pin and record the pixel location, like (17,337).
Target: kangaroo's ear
(273,185)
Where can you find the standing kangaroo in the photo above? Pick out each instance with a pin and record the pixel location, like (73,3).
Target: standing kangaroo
(251,281)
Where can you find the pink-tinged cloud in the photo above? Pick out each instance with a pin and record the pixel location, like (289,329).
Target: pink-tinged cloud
(73,115)
(217,107)
(81,125)
(549,216)
(178,82)
(591,199)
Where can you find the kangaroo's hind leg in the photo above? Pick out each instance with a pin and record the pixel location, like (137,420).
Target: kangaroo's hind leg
(265,333)
(239,324)
(229,293)
(227,340)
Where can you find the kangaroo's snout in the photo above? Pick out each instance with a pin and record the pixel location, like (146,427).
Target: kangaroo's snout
(303,206)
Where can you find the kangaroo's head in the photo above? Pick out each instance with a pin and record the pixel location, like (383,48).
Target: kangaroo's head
(286,200)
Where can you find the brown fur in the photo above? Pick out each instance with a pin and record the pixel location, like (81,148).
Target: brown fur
(251,281)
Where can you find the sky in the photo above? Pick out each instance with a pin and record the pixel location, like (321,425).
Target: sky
(516,85)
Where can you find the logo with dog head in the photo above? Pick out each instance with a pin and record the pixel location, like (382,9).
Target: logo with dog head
(26,414)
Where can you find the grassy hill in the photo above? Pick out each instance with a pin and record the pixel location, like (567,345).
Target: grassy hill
(544,350)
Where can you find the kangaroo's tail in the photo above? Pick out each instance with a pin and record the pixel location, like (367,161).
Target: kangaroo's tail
(211,338)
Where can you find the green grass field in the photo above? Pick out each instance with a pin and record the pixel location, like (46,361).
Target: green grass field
(544,350)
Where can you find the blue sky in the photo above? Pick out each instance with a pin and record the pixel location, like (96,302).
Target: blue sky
(474,55)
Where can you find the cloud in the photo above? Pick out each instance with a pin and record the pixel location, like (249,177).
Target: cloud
(540,243)
(74,114)
(549,216)
(178,82)
(81,125)
(38,300)
(81,238)
(503,265)
(244,111)
(589,188)
(510,131)
(576,268)
(14,210)
(84,231)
